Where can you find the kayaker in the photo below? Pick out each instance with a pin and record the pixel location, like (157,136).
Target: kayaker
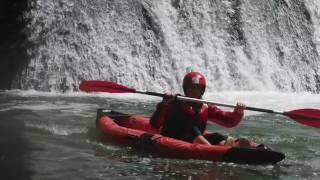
(188,120)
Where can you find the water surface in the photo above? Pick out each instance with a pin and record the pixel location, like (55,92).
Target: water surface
(53,136)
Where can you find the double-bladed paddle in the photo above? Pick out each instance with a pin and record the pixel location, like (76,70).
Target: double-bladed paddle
(309,117)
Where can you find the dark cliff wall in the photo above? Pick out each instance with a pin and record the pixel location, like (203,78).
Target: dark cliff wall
(13,40)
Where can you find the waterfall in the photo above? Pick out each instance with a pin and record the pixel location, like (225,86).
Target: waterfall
(249,45)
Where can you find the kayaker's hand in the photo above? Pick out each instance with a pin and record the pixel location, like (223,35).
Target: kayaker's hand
(240,107)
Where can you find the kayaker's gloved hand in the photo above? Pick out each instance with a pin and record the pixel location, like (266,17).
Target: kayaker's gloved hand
(240,107)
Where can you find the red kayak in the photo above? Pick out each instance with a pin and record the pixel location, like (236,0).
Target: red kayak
(134,130)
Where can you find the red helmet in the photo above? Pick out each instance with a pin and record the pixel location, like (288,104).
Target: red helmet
(194,78)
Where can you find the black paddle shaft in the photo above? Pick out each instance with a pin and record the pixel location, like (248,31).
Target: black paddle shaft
(227,105)
(183,98)
(151,93)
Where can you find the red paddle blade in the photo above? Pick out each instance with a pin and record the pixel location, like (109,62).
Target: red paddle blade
(104,86)
(309,117)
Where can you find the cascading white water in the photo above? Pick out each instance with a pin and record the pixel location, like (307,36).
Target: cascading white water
(150,44)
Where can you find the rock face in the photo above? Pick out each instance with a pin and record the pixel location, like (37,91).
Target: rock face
(149,44)
(13,40)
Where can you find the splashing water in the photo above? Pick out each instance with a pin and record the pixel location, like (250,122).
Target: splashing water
(149,44)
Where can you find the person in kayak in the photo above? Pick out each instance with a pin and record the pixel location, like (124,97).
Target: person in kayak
(187,121)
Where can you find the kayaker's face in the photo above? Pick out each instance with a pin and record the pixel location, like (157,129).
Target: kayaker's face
(194,91)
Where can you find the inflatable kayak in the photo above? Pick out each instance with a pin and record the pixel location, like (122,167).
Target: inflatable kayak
(134,130)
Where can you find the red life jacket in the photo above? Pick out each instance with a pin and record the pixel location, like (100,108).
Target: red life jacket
(186,121)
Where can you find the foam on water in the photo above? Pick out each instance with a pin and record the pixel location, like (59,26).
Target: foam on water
(269,100)
(57,129)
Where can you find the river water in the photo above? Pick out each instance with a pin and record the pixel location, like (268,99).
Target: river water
(53,136)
